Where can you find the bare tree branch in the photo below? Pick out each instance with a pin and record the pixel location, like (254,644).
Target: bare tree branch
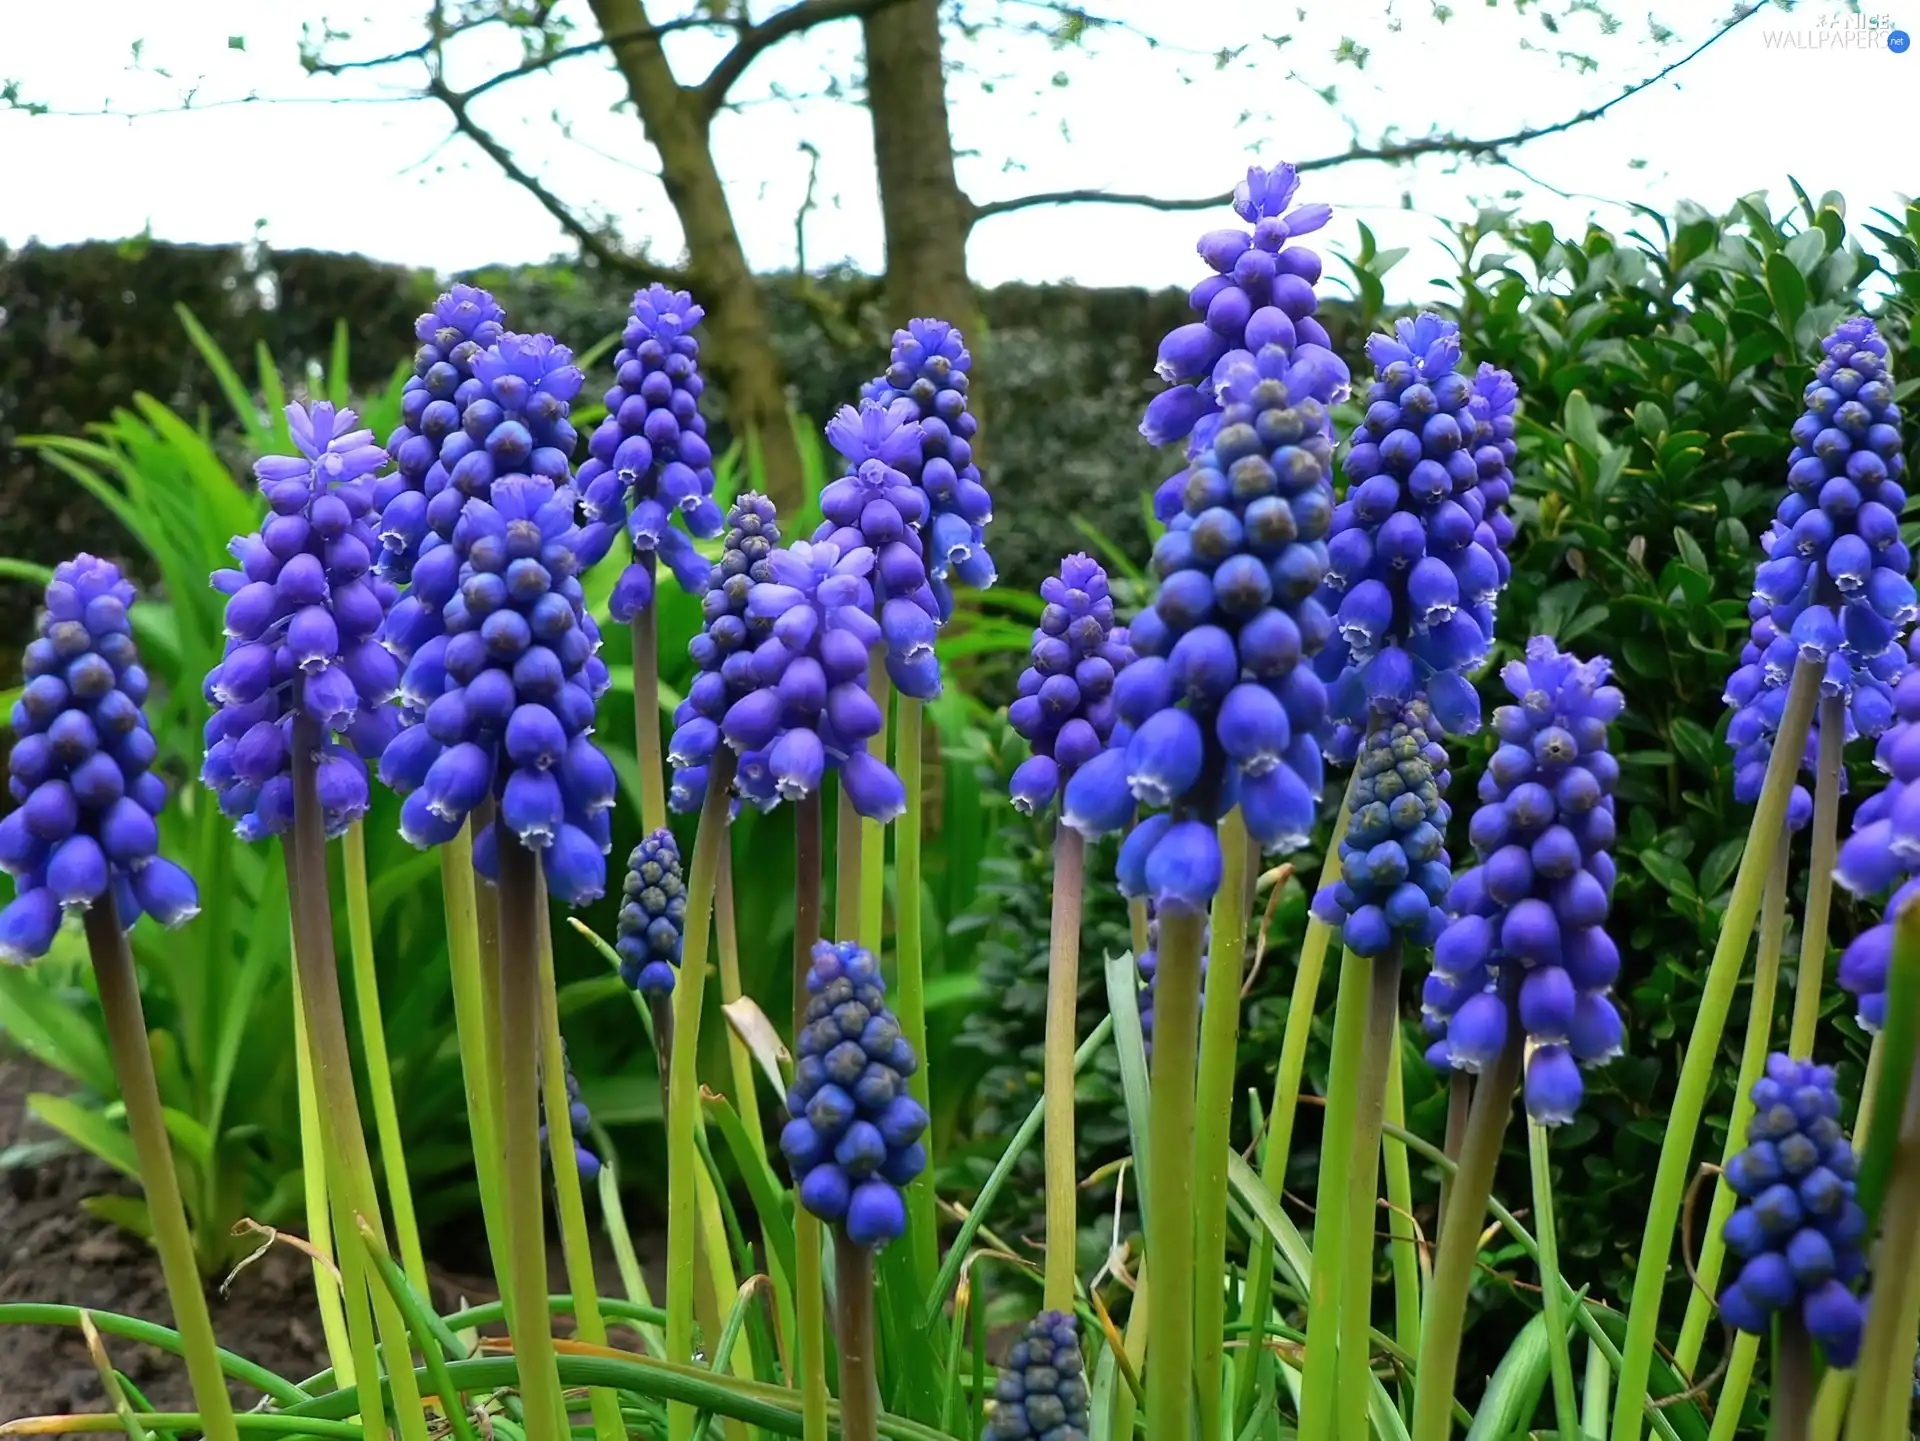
(1492,147)
(754,39)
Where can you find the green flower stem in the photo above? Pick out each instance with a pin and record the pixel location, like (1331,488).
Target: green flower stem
(1879,1131)
(1753,1057)
(422,1324)
(133,1065)
(520,1003)
(168,1342)
(910,990)
(373,1044)
(1459,1100)
(1593,1397)
(1792,1409)
(1454,1263)
(350,1169)
(576,1240)
(1137,925)
(1213,1122)
(1883,1377)
(1063,995)
(1170,1230)
(471,1027)
(853,1330)
(1406,1254)
(873,835)
(1331,1209)
(808,1284)
(646,708)
(1363,1190)
(1826,838)
(487,925)
(1733,1391)
(727,936)
(683,1093)
(354,1282)
(846,870)
(1703,1049)
(1277,1150)
(313,1166)
(1559,1358)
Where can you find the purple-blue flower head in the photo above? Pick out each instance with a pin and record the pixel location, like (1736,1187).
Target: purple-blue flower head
(1065,707)
(579,1127)
(1041,1392)
(303,620)
(1799,1234)
(1261,293)
(929,370)
(513,421)
(723,650)
(1527,951)
(650,458)
(462,323)
(1414,553)
(854,1139)
(1394,871)
(80,771)
(507,696)
(653,915)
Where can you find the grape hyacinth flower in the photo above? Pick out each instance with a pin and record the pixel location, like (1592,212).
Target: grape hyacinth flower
(929,369)
(1261,293)
(1799,1231)
(579,1128)
(1041,1392)
(650,457)
(513,421)
(1411,555)
(508,696)
(462,324)
(1065,709)
(1527,945)
(1394,870)
(876,511)
(303,619)
(80,772)
(809,709)
(854,1140)
(1218,706)
(723,651)
(653,915)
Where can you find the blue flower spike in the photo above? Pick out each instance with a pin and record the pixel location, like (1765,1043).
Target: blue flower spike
(653,915)
(1041,1392)
(1065,709)
(1883,853)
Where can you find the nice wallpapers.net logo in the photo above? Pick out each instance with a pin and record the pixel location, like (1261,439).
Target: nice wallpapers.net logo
(1841,32)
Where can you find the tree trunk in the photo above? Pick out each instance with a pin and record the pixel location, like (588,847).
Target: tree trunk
(677,122)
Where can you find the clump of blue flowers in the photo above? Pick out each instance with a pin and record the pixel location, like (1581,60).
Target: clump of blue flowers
(1260,294)
(653,915)
(1527,947)
(650,457)
(929,370)
(1798,1229)
(723,652)
(1065,708)
(80,771)
(303,620)
(1394,871)
(1041,1392)
(1412,556)
(579,1128)
(461,325)
(854,1139)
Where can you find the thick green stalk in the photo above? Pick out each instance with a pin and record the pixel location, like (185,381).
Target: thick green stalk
(727,935)
(424,1326)
(1753,1057)
(1459,1102)
(1792,1408)
(1703,1048)
(1593,1395)
(313,1166)
(1459,1250)
(373,1043)
(471,1025)
(646,708)
(1406,1254)
(1318,1406)
(846,869)
(910,990)
(1134,1343)
(809,1286)
(1363,1191)
(527,1323)
(576,1240)
(363,1345)
(1826,838)
(1063,995)
(873,834)
(1733,1391)
(1137,924)
(1213,1121)
(1883,1377)
(1559,1358)
(683,1093)
(1170,1229)
(133,1065)
(853,1330)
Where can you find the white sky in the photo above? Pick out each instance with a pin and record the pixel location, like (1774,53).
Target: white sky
(330,172)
